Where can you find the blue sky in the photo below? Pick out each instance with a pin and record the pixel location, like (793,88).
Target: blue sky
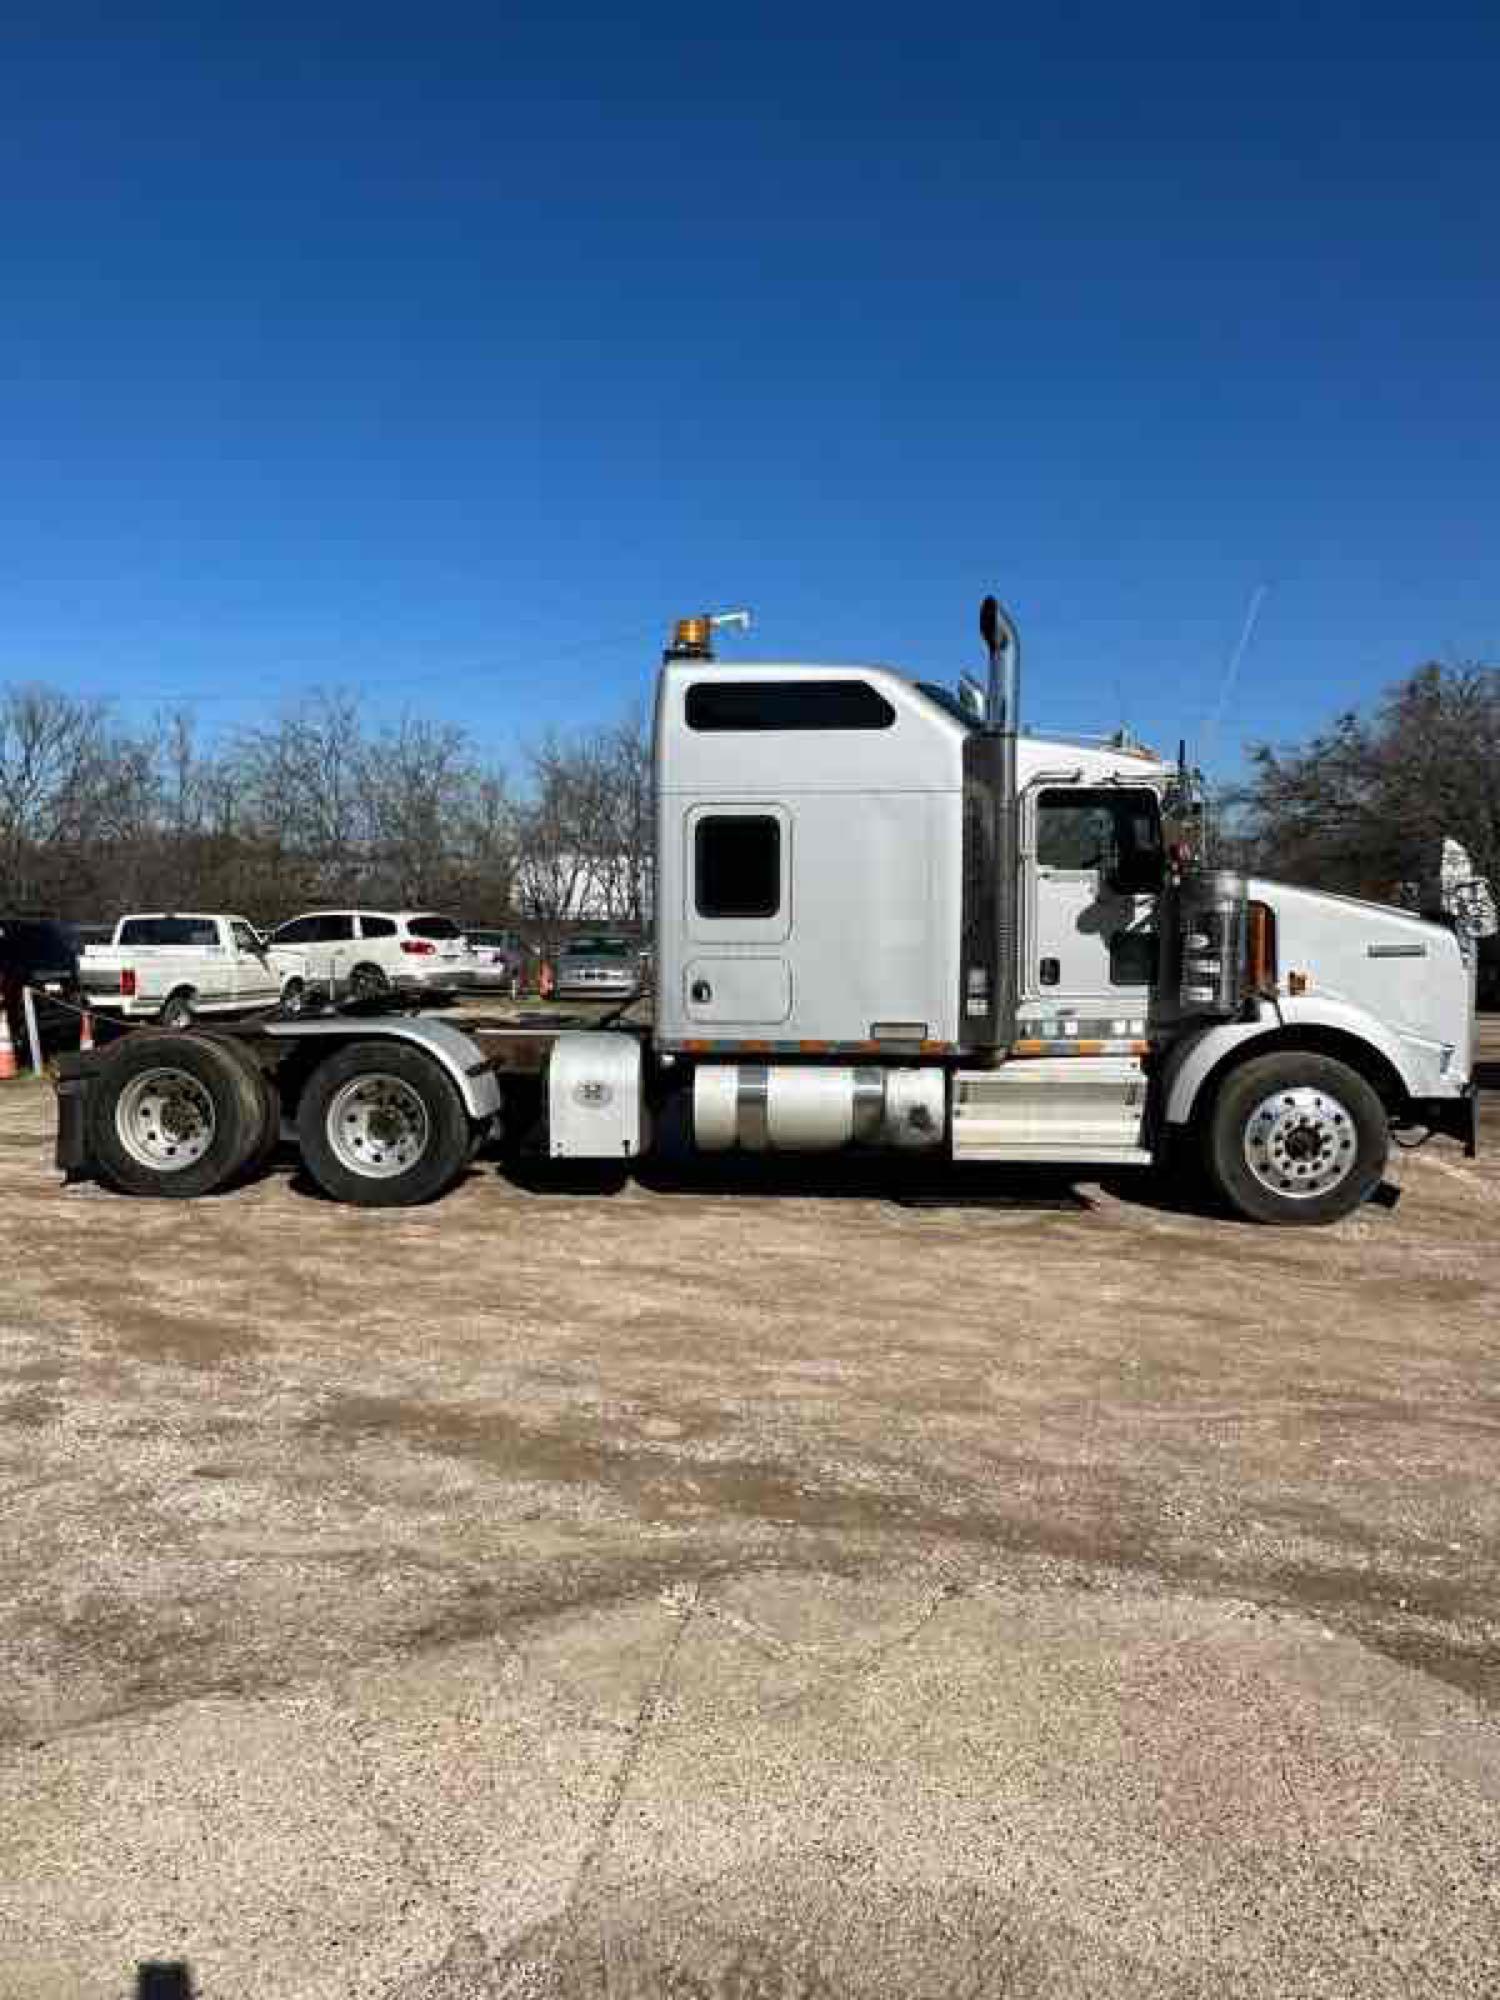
(451,353)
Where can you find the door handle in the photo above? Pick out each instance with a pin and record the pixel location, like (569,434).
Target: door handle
(701,991)
(1050,971)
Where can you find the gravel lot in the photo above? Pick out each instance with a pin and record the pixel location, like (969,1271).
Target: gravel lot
(803,1589)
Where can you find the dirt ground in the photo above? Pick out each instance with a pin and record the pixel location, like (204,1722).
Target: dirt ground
(821,1585)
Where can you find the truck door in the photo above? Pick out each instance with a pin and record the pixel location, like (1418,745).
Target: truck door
(1096,870)
(737,919)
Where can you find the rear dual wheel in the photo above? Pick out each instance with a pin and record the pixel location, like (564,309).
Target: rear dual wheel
(177,1115)
(382,1126)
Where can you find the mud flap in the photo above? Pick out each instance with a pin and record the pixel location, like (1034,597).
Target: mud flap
(75,1075)
(1455,1117)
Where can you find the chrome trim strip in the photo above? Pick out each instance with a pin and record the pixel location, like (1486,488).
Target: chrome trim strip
(868,1110)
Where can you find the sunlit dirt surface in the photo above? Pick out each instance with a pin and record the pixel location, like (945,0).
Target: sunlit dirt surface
(817,1582)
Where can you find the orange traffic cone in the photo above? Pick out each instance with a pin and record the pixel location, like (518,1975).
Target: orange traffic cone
(9,1067)
(86,1034)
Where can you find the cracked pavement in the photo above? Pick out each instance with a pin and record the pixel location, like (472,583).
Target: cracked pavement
(750,1592)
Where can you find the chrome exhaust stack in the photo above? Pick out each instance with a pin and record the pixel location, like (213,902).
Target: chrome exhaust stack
(990,957)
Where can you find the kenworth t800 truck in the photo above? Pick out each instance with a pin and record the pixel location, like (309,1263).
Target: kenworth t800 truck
(884,918)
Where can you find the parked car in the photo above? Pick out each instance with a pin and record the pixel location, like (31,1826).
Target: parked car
(39,953)
(499,961)
(171,967)
(599,968)
(368,955)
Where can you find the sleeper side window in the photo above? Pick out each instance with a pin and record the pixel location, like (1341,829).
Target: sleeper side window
(737,865)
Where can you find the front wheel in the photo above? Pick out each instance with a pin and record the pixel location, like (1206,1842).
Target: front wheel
(381,1126)
(1296,1137)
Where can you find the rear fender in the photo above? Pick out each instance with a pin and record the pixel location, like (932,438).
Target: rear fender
(449,1048)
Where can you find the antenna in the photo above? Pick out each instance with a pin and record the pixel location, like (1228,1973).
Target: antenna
(1211,730)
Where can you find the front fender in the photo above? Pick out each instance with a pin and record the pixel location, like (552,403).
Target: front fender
(1416,1063)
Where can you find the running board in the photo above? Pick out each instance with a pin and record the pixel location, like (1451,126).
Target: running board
(1063,1109)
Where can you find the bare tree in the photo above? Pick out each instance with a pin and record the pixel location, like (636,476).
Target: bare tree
(52,771)
(315,806)
(1364,806)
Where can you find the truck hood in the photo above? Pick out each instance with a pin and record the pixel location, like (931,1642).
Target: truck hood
(1408,973)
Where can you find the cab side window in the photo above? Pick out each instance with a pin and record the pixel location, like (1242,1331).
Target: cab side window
(1116,833)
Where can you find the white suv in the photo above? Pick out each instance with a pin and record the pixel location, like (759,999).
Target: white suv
(371,954)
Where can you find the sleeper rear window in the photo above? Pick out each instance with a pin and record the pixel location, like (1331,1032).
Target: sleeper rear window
(741,705)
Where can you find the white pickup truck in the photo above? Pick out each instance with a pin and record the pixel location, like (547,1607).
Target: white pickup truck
(171,968)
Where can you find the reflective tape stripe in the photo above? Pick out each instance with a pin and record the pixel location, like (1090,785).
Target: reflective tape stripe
(1079,1047)
(806,1048)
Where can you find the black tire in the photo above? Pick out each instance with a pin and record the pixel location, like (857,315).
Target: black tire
(121,1100)
(354,1169)
(268,1096)
(1316,1131)
(269,1138)
(177,1011)
(368,985)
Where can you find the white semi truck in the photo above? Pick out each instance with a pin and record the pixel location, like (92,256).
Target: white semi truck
(885,918)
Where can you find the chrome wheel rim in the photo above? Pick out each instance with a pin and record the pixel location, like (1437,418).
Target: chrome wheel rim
(378,1126)
(1301,1143)
(165,1120)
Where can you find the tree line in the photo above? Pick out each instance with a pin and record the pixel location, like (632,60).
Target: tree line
(321,807)
(317,807)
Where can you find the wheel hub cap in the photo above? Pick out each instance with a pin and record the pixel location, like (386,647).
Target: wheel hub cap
(165,1120)
(1300,1142)
(377,1126)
